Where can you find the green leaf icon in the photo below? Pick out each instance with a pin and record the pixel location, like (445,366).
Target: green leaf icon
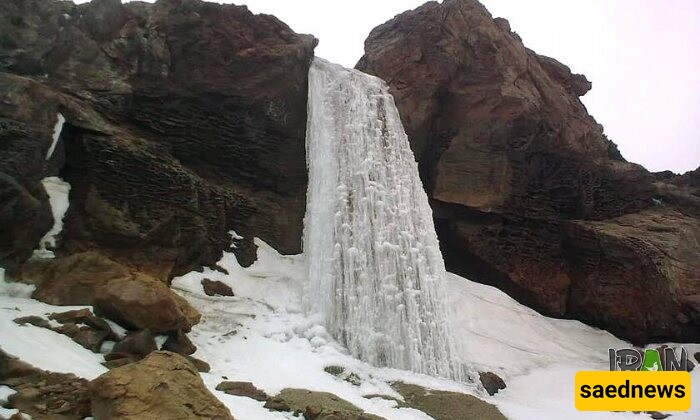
(652,361)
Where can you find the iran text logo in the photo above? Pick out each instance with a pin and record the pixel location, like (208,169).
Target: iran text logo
(651,360)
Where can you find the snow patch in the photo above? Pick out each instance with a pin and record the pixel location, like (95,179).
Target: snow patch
(60,120)
(13,289)
(58,191)
(43,348)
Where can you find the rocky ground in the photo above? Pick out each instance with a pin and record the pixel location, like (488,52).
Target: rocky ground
(260,357)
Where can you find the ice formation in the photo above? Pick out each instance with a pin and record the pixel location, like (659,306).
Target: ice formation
(58,190)
(60,120)
(375,272)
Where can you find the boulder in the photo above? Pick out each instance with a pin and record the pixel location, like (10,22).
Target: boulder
(527,192)
(446,405)
(215,287)
(163,385)
(142,302)
(71,280)
(199,364)
(133,299)
(316,405)
(34,320)
(86,336)
(82,316)
(491,382)
(242,389)
(80,325)
(178,342)
(138,344)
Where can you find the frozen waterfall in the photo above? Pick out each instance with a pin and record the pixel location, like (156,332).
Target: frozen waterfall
(375,270)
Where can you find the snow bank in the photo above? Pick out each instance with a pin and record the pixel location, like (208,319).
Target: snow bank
(40,347)
(261,335)
(58,190)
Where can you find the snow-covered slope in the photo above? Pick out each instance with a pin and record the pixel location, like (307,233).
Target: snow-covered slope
(262,335)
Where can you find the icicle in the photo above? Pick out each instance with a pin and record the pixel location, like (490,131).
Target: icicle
(374,265)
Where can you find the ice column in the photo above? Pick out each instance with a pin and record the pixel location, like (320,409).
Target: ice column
(375,272)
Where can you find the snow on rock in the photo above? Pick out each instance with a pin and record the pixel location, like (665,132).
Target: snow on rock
(58,190)
(60,120)
(40,347)
(498,334)
(14,289)
(263,336)
(5,392)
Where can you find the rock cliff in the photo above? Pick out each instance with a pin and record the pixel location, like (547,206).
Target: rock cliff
(183,120)
(528,193)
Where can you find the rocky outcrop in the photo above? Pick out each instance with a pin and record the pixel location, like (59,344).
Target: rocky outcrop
(163,385)
(528,193)
(315,405)
(446,405)
(42,394)
(71,280)
(184,120)
(79,325)
(242,389)
(131,298)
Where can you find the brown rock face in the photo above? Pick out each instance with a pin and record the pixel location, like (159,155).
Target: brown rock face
(215,287)
(242,389)
(142,302)
(42,394)
(71,280)
(528,193)
(446,405)
(80,325)
(184,120)
(164,385)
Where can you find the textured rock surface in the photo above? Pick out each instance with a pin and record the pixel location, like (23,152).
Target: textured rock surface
(316,405)
(178,342)
(71,280)
(184,120)
(242,389)
(81,325)
(445,405)
(528,193)
(142,302)
(491,382)
(138,344)
(164,385)
(42,394)
(215,287)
